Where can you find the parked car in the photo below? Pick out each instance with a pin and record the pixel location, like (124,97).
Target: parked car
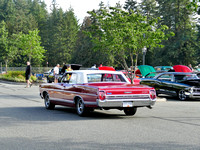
(50,76)
(97,89)
(47,72)
(136,80)
(163,68)
(181,68)
(180,84)
(143,70)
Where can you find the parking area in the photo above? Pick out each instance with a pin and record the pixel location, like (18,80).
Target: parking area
(26,124)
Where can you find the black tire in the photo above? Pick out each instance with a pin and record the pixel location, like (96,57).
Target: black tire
(130,111)
(47,102)
(157,93)
(80,107)
(181,95)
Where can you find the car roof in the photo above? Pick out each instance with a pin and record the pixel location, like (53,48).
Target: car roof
(176,73)
(95,71)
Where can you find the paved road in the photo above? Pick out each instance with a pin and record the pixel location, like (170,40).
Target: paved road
(25,125)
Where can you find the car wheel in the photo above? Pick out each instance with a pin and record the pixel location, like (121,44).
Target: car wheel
(181,95)
(130,111)
(156,93)
(80,107)
(47,102)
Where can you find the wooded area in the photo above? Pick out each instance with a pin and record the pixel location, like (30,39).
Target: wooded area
(29,32)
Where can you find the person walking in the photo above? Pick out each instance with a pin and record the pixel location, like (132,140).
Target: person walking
(56,73)
(28,74)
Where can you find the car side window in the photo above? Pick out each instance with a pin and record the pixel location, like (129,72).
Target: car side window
(65,79)
(73,79)
(179,78)
(165,77)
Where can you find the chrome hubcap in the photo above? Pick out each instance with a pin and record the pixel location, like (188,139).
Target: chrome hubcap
(80,106)
(182,95)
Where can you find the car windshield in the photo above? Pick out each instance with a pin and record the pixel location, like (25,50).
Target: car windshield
(105,78)
(180,78)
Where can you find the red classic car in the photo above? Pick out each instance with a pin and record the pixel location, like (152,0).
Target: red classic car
(87,90)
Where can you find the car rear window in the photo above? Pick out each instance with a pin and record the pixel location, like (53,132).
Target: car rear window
(105,78)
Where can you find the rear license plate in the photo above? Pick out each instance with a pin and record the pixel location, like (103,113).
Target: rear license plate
(127,104)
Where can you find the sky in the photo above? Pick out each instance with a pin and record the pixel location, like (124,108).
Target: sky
(82,6)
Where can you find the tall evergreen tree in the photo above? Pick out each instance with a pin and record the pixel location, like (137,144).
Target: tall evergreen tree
(131,5)
(182,47)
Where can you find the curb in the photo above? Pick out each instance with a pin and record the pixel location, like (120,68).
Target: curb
(10,82)
(19,83)
(159,99)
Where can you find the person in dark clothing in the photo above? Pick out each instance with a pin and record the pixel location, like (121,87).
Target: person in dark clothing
(63,69)
(28,74)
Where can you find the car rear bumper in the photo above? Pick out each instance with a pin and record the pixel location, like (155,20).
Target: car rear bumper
(120,103)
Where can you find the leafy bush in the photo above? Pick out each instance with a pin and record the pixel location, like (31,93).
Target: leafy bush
(33,78)
(17,76)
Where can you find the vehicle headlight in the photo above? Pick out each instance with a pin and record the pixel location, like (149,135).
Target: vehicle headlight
(191,89)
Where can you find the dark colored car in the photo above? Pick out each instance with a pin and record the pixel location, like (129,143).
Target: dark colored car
(50,76)
(182,85)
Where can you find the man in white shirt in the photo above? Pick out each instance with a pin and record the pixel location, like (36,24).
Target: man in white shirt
(56,72)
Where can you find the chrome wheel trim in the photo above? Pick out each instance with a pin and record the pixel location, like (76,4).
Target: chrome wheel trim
(182,95)
(47,101)
(80,106)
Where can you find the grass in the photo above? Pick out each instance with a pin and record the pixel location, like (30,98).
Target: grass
(16,76)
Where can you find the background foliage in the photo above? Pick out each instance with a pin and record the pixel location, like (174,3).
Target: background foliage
(61,38)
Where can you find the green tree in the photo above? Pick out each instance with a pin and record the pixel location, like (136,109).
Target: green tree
(30,46)
(84,53)
(8,50)
(183,46)
(63,29)
(122,34)
(131,6)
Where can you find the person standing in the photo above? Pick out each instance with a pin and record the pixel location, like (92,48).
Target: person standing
(28,74)
(56,73)
(68,69)
(190,66)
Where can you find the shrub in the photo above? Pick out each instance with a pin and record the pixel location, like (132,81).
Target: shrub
(33,78)
(17,76)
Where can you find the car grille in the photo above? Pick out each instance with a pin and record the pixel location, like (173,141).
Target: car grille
(196,90)
(111,97)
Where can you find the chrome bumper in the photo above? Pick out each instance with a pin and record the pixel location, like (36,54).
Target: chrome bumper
(194,95)
(119,103)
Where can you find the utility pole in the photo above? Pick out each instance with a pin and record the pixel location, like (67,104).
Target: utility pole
(1,67)
(144,50)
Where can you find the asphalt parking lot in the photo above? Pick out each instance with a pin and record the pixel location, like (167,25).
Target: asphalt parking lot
(26,124)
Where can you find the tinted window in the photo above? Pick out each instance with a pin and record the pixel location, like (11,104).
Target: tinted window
(179,78)
(166,77)
(105,78)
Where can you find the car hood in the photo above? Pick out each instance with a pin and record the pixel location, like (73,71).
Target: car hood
(192,82)
(181,68)
(146,69)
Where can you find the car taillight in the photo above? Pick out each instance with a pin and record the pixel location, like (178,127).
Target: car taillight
(152,94)
(102,95)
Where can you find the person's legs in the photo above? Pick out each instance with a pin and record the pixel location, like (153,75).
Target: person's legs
(28,83)
(56,79)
